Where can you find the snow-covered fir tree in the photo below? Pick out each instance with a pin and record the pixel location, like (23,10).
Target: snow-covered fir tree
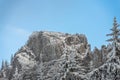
(115,33)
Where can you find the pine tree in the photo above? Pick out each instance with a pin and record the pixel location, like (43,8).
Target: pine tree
(66,66)
(41,66)
(16,76)
(3,65)
(6,64)
(115,33)
(12,60)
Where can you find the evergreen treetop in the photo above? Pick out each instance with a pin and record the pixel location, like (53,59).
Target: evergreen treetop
(115,33)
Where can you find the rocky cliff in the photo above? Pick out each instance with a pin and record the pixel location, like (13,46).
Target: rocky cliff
(62,56)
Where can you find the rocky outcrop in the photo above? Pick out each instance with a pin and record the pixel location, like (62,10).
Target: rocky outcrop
(62,56)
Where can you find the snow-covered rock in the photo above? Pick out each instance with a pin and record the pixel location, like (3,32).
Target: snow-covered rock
(62,56)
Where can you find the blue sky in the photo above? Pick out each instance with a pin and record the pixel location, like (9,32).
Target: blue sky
(19,18)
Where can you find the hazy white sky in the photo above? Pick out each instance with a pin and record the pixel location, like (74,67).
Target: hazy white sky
(19,18)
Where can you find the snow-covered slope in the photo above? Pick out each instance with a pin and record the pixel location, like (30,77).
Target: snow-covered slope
(110,70)
(62,56)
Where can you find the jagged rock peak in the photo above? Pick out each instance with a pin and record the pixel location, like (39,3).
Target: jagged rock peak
(47,41)
(46,48)
(61,56)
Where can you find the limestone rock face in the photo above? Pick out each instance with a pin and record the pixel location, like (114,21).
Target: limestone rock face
(62,56)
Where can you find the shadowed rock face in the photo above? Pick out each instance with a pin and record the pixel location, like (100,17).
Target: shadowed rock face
(60,56)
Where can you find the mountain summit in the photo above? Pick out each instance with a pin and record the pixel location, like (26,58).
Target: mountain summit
(62,56)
